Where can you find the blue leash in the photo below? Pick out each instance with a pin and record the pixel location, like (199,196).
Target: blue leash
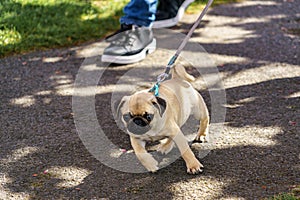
(165,75)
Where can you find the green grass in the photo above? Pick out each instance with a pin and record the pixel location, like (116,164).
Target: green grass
(284,197)
(27,25)
(198,5)
(294,194)
(30,25)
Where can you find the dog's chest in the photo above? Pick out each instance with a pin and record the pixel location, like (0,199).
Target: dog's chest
(151,138)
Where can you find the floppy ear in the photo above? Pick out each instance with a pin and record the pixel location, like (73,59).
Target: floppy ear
(161,105)
(119,105)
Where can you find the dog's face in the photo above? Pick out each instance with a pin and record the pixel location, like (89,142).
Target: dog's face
(141,111)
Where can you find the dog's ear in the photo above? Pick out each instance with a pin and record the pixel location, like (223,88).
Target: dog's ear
(118,105)
(161,105)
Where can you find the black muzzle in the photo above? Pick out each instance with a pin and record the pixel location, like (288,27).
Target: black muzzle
(138,125)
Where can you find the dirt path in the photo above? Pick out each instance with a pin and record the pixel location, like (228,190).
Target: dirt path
(256,49)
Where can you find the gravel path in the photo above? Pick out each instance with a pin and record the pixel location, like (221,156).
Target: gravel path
(255,45)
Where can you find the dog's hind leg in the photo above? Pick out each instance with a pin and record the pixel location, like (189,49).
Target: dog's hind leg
(201,114)
(165,146)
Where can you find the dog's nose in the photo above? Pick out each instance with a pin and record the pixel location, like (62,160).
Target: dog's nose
(140,122)
(138,126)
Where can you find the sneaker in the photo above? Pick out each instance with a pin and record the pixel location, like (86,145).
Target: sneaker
(129,45)
(170,12)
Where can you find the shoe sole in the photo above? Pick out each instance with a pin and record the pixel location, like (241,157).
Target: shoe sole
(150,48)
(173,21)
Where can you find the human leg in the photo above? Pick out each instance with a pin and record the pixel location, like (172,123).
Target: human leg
(139,12)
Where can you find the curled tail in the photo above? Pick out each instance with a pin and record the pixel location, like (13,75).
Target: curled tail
(179,72)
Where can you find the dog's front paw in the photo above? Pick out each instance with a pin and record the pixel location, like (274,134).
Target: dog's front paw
(148,161)
(194,167)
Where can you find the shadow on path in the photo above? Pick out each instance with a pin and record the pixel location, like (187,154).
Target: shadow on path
(38,133)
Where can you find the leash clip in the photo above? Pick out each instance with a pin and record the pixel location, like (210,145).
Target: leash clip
(162,77)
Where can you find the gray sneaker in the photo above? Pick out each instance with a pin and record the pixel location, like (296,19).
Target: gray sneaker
(129,45)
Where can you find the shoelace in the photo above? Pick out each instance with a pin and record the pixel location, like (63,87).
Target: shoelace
(126,39)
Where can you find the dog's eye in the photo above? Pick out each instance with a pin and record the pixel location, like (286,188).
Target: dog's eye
(148,116)
(127,117)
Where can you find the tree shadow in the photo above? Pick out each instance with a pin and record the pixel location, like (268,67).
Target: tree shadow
(268,25)
(267,170)
(270,28)
(38,133)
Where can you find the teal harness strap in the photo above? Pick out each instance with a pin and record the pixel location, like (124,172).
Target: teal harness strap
(155,89)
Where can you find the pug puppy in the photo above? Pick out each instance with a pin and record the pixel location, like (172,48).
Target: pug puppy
(150,118)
